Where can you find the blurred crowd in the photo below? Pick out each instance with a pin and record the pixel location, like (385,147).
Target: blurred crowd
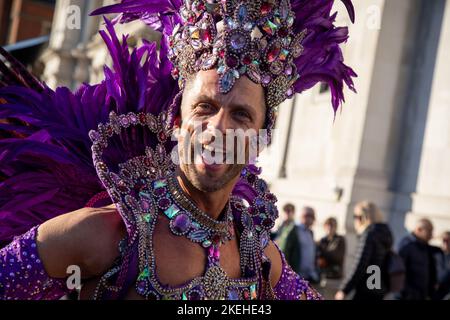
(415,270)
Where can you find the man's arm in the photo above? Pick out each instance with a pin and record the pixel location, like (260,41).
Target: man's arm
(34,265)
(87,238)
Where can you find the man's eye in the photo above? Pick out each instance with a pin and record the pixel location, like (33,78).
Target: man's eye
(242,115)
(204,107)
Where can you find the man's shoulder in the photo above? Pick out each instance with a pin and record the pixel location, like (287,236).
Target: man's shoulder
(407,243)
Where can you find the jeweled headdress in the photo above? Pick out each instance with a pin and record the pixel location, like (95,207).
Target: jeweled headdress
(286,46)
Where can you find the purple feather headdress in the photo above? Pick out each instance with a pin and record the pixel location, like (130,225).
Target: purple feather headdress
(286,46)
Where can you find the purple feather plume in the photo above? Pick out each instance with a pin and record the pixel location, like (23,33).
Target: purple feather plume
(45,157)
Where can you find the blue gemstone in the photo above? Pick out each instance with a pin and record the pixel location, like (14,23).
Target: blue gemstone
(171,211)
(198,235)
(237,41)
(259,202)
(227,81)
(141,287)
(232,24)
(261,185)
(242,14)
(246,220)
(233,295)
(264,240)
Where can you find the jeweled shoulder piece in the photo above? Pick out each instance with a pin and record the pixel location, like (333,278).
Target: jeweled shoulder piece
(124,184)
(253,38)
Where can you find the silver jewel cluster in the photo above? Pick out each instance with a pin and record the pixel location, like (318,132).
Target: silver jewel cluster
(239,37)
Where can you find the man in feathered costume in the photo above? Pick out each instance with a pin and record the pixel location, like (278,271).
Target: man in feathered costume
(146,226)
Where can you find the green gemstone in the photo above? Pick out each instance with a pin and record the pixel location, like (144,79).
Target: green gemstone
(270,27)
(144,274)
(160,184)
(184,297)
(171,211)
(146,195)
(253,294)
(147,218)
(195,225)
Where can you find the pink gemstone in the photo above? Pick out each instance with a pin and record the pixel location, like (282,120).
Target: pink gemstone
(266,8)
(247,60)
(162,136)
(273,52)
(206,35)
(216,254)
(288,70)
(145,205)
(290,93)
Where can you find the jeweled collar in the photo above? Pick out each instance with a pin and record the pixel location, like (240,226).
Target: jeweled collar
(223,230)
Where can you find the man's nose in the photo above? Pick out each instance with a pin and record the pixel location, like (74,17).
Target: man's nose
(218,122)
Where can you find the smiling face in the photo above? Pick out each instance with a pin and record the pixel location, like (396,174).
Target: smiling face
(208,119)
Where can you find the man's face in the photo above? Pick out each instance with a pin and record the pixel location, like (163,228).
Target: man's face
(446,242)
(207,118)
(290,214)
(307,218)
(424,232)
(330,229)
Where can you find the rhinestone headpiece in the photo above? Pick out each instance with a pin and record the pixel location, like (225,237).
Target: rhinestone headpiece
(287,46)
(252,38)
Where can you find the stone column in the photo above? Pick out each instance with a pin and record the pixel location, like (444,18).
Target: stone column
(432,196)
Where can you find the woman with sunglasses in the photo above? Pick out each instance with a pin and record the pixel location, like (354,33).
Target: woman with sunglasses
(374,246)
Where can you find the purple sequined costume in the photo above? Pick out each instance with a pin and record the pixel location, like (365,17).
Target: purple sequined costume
(49,138)
(23,276)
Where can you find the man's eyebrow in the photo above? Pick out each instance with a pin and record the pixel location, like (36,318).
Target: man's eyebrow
(204,98)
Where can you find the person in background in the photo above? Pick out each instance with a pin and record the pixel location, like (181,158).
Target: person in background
(422,263)
(374,247)
(443,291)
(331,254)
(286,226)
(300,249)
(446,249)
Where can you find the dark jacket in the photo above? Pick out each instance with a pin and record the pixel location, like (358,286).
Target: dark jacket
(374,247)
(421,269)
(292,250)
(331,253)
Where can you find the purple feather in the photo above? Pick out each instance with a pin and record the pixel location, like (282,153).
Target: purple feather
(46,165)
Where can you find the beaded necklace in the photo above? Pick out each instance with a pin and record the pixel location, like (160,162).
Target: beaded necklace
(185,219)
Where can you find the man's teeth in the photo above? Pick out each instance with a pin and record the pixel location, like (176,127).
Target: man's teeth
(212,149)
